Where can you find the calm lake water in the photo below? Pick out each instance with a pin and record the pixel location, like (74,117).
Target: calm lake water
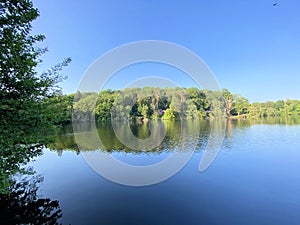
(254,179)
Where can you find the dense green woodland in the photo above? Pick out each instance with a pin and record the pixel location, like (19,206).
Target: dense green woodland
(167,104)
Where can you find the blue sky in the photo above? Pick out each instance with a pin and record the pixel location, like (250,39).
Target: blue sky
(252,47)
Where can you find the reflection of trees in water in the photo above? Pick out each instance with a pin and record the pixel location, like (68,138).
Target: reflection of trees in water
(232,128)
(66,140)
(22,205)
(89,141)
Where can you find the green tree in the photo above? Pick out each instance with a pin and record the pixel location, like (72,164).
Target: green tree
(279,107)
(255,110)
(198,97)
(84,109)
(270,109)
(216,103)
(191,112)
(24,93)
(104,104)
(144,110)
(240,105)
(228,100)
(171,113)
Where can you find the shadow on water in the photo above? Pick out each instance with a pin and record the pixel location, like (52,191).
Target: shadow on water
(19,199)
(22,205)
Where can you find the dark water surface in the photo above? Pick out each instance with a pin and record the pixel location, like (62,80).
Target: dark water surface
(255,178)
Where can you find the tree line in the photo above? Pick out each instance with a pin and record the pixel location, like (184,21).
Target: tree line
(165,103)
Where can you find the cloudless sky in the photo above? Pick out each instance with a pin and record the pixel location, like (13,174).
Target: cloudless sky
(252,47)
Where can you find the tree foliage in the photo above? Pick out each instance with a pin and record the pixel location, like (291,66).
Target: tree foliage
(26,96)
(174,103)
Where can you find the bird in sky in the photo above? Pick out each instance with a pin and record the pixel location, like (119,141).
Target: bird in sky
(275,4)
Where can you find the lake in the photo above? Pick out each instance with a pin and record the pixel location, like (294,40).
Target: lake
(254,178)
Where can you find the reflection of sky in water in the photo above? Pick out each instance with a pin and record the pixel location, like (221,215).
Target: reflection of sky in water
(142,159)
